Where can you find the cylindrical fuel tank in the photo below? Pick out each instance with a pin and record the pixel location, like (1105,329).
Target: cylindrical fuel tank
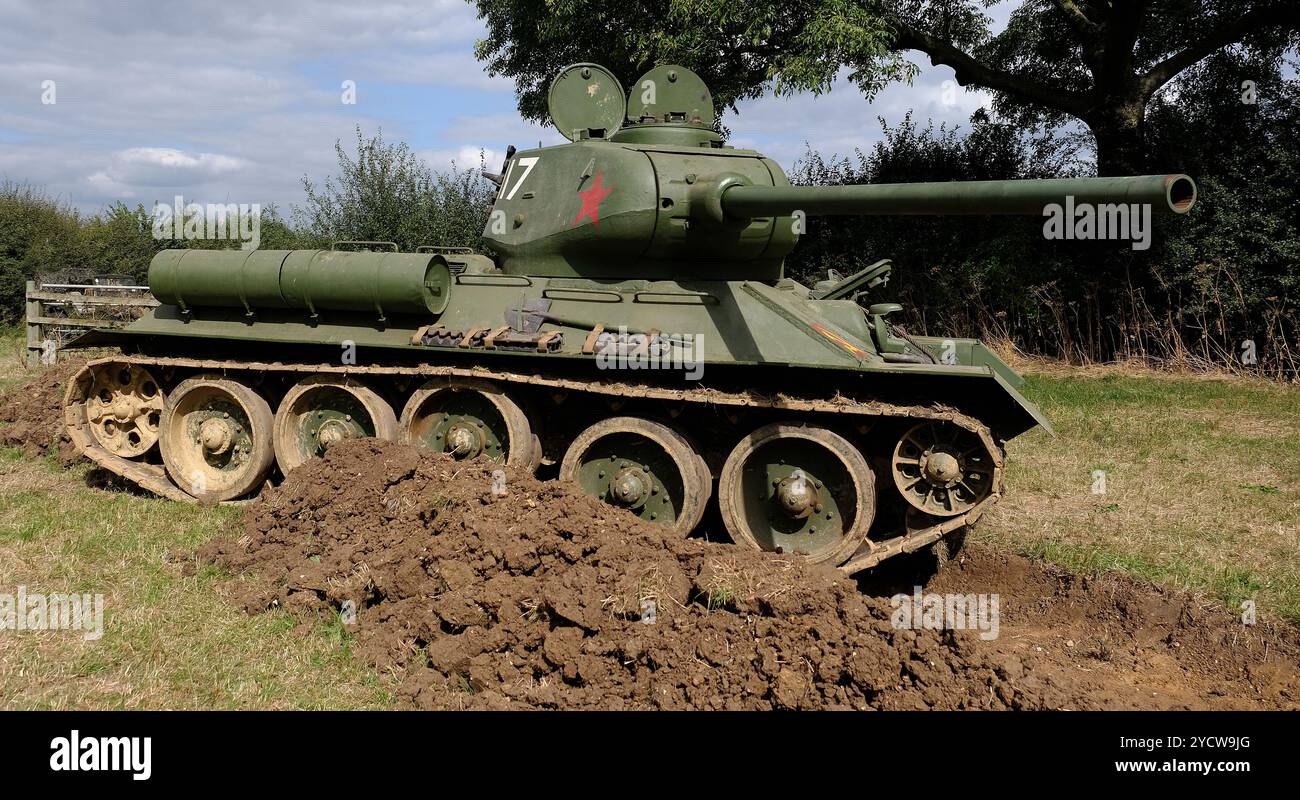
(314,280)
(225,278)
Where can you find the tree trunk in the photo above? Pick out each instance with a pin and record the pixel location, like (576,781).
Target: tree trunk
(1121,148)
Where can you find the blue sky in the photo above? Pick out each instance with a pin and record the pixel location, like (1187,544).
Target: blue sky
(236,101)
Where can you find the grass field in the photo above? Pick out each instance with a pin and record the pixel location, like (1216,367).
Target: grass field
(1202,483)
(12,352)
(169,641)
(1202,492)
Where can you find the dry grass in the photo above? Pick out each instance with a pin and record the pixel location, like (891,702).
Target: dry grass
(724,580)
(1181,369)
(13,352)
(169,641)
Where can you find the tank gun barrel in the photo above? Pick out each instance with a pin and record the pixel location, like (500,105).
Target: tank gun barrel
(1165,193)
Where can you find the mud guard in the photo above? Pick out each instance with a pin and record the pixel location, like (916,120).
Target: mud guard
(1032,416)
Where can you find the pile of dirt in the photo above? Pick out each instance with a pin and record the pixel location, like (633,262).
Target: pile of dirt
(31,414)
(541,597)
(545,598)
(1124,643)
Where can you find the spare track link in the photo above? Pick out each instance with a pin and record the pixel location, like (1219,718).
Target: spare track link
(154,478)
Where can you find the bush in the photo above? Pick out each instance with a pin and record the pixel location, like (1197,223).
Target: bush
(386,193)
(37,233)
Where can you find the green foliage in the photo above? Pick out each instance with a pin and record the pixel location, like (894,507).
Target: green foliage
(279,234)
(739,47)
(386,193)
(37,232)
(1060,44)
(1095,61)
(1233,268)
(120,241)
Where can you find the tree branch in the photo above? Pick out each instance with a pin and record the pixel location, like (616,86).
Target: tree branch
(1089,33)
(1077,19)
(970,70)
(1224,34)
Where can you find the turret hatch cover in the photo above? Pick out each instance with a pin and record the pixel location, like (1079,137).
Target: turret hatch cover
(670,93)
(586,97)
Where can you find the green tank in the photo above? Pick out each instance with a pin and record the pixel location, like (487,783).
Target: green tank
(630,329)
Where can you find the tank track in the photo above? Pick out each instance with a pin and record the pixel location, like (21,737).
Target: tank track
(154,478)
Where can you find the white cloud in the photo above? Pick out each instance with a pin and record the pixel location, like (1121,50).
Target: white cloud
(842,119)
(104,184)
(171,159)
(237,101)
(139,170)
(463,157)
(239,98)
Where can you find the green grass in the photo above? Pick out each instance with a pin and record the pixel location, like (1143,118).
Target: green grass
(170,641)
(1202,483)
(13,354)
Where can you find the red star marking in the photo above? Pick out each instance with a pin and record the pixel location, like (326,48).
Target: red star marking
(591,200)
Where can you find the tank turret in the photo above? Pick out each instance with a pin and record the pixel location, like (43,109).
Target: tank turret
(647,188)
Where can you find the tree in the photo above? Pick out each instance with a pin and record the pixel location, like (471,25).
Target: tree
(387,193)
(1232,269)
(739,47)
(1096,61)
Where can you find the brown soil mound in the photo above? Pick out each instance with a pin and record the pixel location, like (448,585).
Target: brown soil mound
(541,599)
(31,414)
(535,599)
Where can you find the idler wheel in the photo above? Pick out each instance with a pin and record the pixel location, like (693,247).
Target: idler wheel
(798,489)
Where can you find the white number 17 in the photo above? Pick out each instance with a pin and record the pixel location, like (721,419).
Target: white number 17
(528,164)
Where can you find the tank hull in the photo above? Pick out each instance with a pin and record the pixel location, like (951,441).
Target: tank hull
(631,331)
(740,358)
(733,335)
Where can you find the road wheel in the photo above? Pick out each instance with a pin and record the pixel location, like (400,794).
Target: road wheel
(322,410)
(643,466)
(467,418)
(216,438)
(798,488)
